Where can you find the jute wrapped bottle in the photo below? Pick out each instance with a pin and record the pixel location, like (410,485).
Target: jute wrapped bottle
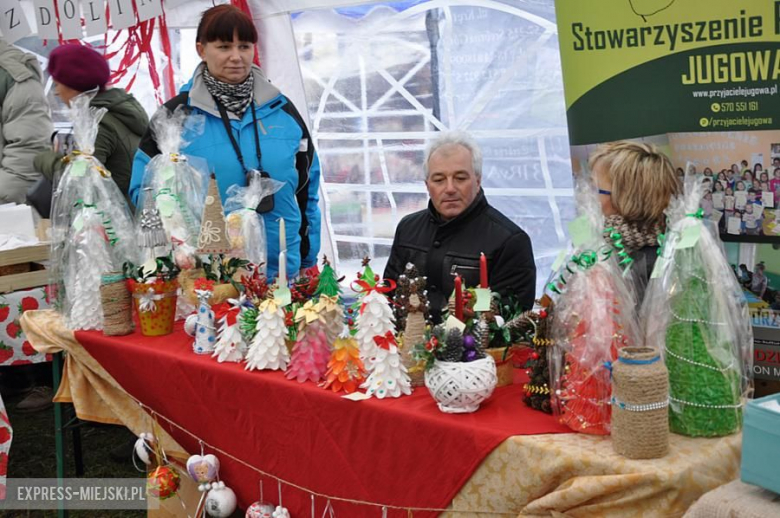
(117,305)
(640,400)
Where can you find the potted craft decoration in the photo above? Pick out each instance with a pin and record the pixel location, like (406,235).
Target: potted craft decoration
(594,318)
(697,317)
(245,225)
(458,373)
(154,287)
(92,229)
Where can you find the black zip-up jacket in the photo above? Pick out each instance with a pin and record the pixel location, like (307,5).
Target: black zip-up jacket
(440,249)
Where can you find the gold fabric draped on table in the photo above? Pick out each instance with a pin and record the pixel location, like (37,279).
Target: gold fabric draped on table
(571,475)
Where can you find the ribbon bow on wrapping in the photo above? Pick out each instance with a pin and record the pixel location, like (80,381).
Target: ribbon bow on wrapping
(584,261)
(146,300)
(307,314)
(76,154)
(384,342)
(386,286)
(699,214)
(617,243)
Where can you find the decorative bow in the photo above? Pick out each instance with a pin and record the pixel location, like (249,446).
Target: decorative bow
(308,313)
(146,301)
(586,259)
(227,311)
(384,342)
(386,286)
(75,154)
(268,305)
(699,214)
(209,233)
(617,243)
(328,304)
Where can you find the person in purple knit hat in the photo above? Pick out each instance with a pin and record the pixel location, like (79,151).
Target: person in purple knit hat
(76,69)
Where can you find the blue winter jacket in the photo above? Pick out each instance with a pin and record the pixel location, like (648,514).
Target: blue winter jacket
(288,155)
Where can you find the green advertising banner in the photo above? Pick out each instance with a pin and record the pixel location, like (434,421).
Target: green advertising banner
(699,79)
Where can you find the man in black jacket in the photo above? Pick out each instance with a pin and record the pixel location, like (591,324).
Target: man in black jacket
(459,224)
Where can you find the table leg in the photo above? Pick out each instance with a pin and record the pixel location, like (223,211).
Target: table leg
(59,430)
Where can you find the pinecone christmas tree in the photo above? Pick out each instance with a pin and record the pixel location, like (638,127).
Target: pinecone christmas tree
(453,347)
(230,346)
(388,376)
(311,352)
(329,293)
(345,370)
(268,349)
(537,390)
(375,319)
(411,313)
(89,260)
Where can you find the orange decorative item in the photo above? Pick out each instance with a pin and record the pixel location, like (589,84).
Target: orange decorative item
(345,370)
(156,305)
(162,483)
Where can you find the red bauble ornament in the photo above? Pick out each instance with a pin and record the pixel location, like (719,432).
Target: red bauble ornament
(535,355)
(162,483)
(542,314)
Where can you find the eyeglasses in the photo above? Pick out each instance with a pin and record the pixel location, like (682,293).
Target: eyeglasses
(602,191)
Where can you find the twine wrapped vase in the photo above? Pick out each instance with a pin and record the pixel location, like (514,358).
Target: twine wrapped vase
(460,387)
(117,304)
(156,306)
(640,400)
(505,369)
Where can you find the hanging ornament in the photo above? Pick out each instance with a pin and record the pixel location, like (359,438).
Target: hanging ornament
(143,447)
(260,509)
(203,469)
(281,512)
(221,501)
(162,483)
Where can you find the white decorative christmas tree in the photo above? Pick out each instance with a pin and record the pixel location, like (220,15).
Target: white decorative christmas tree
(230,346)
(268,349)
(375,319)
(388,376)
(89,260)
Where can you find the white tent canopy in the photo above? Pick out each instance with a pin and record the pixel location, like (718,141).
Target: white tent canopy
(376,80)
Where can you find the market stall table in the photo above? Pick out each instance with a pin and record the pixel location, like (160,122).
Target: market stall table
(504,459)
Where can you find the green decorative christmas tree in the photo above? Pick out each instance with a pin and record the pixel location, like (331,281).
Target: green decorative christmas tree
(329,293)
(704,373)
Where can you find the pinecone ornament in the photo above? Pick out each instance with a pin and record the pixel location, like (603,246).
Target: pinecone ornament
(453,348)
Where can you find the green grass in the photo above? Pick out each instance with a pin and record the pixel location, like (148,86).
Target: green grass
(33,456)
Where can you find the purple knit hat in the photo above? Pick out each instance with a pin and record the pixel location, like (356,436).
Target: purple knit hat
(78,67)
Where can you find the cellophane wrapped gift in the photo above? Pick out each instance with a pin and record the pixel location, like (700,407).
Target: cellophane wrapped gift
(245,226)
(92,229)
(594,317)
(178,182)
(696,314)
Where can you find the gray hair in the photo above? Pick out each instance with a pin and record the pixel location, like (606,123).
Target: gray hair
(455,138)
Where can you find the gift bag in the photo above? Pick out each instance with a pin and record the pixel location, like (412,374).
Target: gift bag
(92,229)
(696,315)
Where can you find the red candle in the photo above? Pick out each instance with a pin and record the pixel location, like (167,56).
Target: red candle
(458,298)
(483,280)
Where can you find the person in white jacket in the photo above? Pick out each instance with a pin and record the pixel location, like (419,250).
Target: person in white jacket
(25,124)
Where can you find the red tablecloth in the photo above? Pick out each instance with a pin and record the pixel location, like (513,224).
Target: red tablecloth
(402,452)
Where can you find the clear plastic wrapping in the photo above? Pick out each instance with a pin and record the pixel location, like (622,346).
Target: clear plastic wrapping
(696,314)
(177,182)
(594,317)
(92,229)
(245,226)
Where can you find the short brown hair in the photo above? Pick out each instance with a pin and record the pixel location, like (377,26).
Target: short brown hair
(643,180)
(223,22)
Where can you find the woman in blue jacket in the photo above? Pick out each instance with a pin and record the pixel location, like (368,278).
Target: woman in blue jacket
(249,126)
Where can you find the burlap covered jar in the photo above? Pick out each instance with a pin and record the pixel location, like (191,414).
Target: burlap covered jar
(640,400)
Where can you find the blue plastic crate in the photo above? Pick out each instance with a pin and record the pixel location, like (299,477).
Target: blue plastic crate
(760,438)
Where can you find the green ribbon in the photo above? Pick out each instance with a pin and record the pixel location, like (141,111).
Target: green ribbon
(617,244)
(699,214)
(585,260)
(661,241)
(107,225)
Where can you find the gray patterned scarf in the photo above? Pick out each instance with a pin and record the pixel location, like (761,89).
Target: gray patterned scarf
(235,98)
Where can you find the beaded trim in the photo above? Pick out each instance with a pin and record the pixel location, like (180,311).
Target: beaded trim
(698,364)
(645,407)
(702,405)
(696,320)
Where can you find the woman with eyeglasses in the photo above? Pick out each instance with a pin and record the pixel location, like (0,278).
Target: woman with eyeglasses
(635,183)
